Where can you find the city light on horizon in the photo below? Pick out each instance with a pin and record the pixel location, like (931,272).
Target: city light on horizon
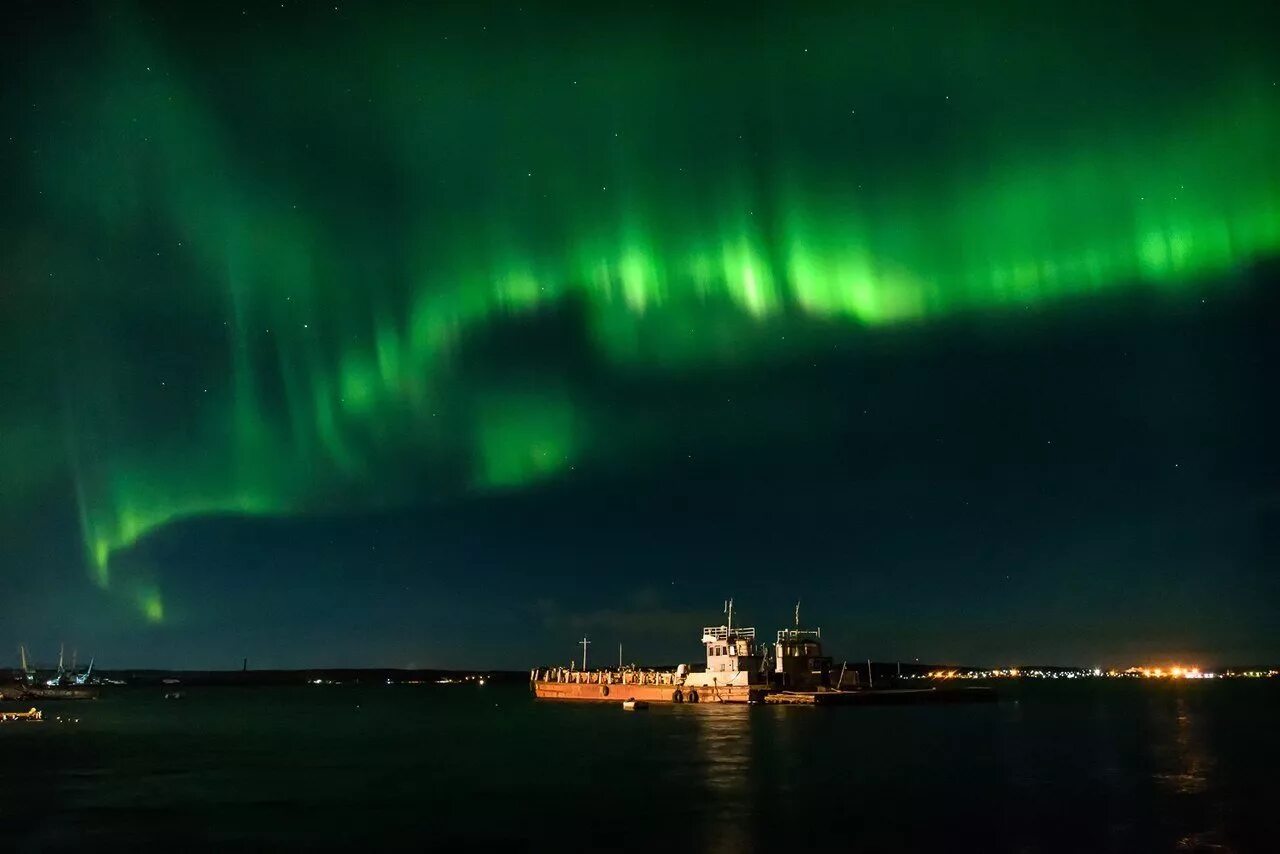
(1165,672)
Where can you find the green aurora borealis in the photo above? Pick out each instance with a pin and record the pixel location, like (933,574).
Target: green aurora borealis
(258,254)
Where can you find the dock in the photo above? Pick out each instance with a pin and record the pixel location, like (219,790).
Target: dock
(881,696)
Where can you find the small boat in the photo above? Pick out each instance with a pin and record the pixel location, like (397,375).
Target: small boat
(33,714)
(633,705)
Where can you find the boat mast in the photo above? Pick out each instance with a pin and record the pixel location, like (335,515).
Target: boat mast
(584,651)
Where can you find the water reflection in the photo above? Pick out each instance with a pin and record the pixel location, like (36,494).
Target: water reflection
(724,742)
(1184,766)
(1183,760)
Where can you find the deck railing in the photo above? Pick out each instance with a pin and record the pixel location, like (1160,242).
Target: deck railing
(798,634)
(606,677)
(722,632)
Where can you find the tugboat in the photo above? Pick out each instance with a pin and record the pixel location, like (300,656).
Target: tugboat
(734,673)
(738,669)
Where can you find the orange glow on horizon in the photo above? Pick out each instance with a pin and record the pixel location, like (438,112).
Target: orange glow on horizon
(1170,671)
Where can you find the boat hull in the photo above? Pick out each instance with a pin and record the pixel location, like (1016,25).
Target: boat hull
(882,696)
(60,693)
(616,693)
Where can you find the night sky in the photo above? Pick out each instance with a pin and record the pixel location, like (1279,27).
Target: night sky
(442,334)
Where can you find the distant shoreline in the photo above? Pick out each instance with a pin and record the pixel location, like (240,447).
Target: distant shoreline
(888,671)
(333,675)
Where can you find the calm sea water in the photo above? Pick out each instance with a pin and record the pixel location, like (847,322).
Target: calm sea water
(1080,767)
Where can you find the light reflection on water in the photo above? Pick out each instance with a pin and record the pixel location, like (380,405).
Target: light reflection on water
(724,736)
(1184,756)
(1184,764)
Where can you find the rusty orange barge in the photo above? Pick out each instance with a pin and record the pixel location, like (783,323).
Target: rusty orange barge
(738,670)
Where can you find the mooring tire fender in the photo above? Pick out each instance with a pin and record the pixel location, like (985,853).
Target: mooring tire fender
(693,696)
(604,690)
(676,696)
